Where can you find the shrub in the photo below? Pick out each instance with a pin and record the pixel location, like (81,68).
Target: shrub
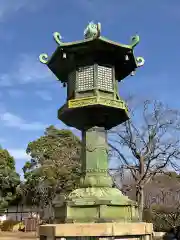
(162,217)
(147,215)
(21,227)
(8,225)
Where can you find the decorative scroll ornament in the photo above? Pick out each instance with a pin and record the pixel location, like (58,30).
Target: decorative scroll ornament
(140,61)
(57,37)
(92,30)
(43,58)
(135,40)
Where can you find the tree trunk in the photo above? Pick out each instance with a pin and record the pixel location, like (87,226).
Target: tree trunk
(140,200)
(140,188)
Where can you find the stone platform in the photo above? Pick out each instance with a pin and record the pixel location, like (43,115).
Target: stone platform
(96,231)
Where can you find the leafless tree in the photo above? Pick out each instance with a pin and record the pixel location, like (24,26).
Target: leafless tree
(161,199)
(147,144)
(166,207)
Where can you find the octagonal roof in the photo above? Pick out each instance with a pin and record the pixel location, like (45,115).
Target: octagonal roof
(93,49)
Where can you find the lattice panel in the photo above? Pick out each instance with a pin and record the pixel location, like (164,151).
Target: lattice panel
(105,80)
(85,78)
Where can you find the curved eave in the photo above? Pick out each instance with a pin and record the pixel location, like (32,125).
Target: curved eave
(73,46)
(82,42)
(103,39)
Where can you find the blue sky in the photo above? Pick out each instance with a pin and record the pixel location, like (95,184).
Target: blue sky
(30,94)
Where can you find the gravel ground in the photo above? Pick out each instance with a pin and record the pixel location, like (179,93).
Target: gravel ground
(17,236)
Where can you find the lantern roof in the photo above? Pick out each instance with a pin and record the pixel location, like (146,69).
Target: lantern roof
(94,49)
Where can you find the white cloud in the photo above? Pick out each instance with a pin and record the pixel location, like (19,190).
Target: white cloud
(11,120)
(10,7)
(30,69)
(2,140)
(5,80)
(6,34)
(171,9)
(2,107)
(19,153)
(109,12)
(26,69)
(45,95)
(15,93)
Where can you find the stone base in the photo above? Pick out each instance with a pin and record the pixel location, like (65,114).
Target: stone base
(97,230)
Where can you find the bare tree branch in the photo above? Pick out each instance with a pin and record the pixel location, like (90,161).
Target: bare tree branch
(152,137)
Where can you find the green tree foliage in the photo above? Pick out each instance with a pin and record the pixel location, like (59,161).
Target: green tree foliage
(54,165)
(9,179)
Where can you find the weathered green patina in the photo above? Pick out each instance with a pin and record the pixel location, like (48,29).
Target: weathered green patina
(91,69)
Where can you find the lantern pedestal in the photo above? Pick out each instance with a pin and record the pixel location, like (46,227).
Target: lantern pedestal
(96,200)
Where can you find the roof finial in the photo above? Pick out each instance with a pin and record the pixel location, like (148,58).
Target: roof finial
(92,30)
